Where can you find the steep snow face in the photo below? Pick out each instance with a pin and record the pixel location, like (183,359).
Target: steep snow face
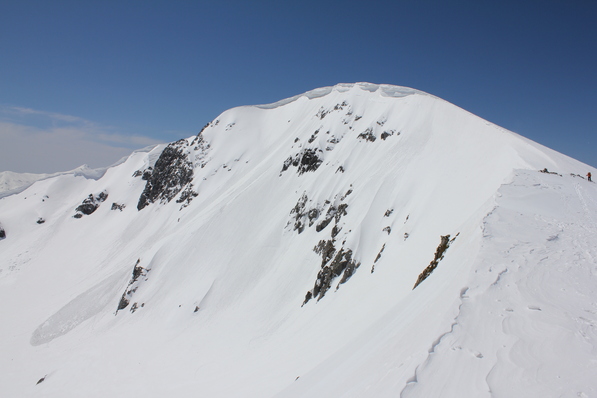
(276,253)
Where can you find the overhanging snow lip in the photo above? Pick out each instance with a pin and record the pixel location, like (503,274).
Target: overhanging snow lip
(386,90)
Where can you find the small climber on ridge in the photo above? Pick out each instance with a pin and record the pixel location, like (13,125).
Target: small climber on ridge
(589,176)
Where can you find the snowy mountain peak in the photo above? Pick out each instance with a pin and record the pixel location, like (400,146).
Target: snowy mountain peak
(355,240)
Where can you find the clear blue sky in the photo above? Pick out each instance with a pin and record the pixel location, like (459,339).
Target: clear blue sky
(99,78)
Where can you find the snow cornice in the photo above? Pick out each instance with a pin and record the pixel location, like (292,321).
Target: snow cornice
(386,90)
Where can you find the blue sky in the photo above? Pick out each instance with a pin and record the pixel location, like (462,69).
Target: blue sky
(88,81)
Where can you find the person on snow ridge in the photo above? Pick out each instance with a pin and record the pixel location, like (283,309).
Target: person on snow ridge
(589,176)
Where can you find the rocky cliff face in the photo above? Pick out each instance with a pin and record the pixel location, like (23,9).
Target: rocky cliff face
(172,172)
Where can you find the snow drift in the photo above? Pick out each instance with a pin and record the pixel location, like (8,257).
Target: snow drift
(275,254)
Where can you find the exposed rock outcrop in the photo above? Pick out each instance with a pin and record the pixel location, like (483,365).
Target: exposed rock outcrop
(334,263)
(309,159)
(439,255)
(336,259)
(117,206)
(89,204)
(139,276)
(387,134)
(304,215)
(171,173)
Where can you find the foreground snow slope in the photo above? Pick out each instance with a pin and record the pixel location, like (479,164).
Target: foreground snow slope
(523,317)
(275,254)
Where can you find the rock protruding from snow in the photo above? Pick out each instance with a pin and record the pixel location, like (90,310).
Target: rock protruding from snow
(2,232)
(334,263)
(309,159)
(336,258)
(439,255)
(139,274)
(89,204)
(304,215)
(118,206)
(187,195)
(172,172)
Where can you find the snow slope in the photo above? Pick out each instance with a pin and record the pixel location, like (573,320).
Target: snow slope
(275,254)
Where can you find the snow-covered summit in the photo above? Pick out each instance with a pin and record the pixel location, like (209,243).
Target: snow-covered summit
(357,240)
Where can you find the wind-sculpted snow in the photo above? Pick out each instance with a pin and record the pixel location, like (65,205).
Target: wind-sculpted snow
(530,301)
(256,281)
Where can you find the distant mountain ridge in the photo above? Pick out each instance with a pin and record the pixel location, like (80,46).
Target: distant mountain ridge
(12,183)
(356,240)
(10,180)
